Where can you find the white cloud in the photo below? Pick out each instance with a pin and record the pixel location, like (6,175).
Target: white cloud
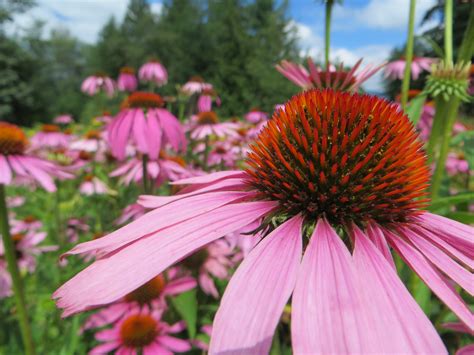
(380,14)
(84,18)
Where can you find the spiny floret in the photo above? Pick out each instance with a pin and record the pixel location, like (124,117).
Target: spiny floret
(13,140)
(348,157)
(141,99)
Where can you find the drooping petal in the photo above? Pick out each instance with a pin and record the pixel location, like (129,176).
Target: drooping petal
(114,276)
(174,344)
(151,201)
(213,177)
(328,315)
(432,278)
(455,233)
(397,320)
(140,131)
(463,277)
(157,219)
(257,293)
(45,180)
(5,171)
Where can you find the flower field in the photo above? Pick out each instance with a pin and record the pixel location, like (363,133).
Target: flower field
(334,222)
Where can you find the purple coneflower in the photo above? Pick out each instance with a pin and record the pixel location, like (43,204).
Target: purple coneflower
(396,69)
(336,79)
(154,72)
(144,121)
(14,161)
(95,83)
(334,181)
(127,81)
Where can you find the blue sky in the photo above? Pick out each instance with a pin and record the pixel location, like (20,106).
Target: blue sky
(361,28)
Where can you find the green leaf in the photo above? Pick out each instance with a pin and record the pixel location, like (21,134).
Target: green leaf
(463,217)
(415,108)
(451,200)
(187,306)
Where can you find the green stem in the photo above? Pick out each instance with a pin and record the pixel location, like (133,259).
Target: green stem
(448,31)
(408,54)
(10,256)
(329,5)
(57,212)
(181,108)
(436,129)
(206,153)
(145,173)
(452,114)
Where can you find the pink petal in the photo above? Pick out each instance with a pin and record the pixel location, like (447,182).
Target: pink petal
(140,131)
(154,136)
(442,261)
(376,235)
(174,344)
(455,233)
(328,315)
(156,349)
(5,171)
(257,293)
(180,285)
(150,201)
(172,129)
(104,348)
(448,248)
(112,277)
(402,327)
(39,175)
(107,334)
(466,350)
(432,278)
(213,177)
(158,219)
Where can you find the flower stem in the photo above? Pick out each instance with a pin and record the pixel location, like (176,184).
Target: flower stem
(206,153)
(145,173)
(10,255)
(465,52)
(448,31)
(436,129)
(329,5)
(408,54)
(57,212)
(452,113)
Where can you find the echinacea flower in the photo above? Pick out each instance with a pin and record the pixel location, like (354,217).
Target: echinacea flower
(336,78)
(27,224)
(14,161)
(334,181)
(151,294)
(195,85)
(456,163)
(92,185)
(50,136)
(207,124)
(92,142)
(255,116)
(127,80)
(141,330)
(63,119)
(204,102)
(75,227)
(144,121)
(93,84)
(214,260)
(396,68)
(154,72)
(130,213)
(27,248)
